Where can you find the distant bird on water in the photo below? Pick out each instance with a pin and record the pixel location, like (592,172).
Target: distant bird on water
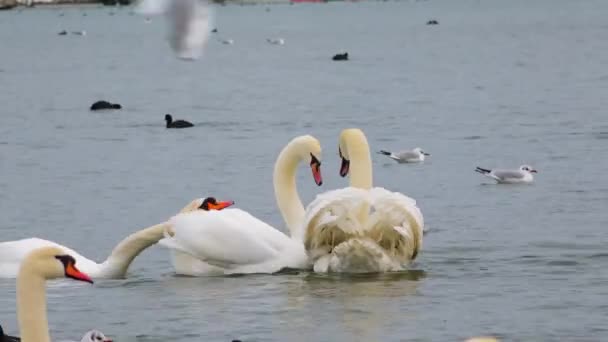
(414,156)
(101,105)
(176,123)
(276,41)
(188,22)
(522,175)
(340,57)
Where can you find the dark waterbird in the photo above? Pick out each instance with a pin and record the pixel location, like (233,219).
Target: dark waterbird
(100,105)
(432,22)
(6,338)
(176,123)
(341,57)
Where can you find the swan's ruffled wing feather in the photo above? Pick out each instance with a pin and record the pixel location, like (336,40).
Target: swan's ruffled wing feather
(333,215)
(378,219)
(397,205)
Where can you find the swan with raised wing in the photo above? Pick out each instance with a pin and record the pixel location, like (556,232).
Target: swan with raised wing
(361,228)
(38,266)
(233,241)
(12,253)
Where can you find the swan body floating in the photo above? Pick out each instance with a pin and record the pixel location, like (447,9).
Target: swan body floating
(232,241)
(361,228)
(519,176)
(38,266)
(12,253)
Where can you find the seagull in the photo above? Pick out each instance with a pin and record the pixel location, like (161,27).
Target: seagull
(408,156)
(227,41)
(188,22)
(521,175)
(276,41)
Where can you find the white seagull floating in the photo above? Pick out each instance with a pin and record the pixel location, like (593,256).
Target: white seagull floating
(408,156)
(276,41)
(522,175)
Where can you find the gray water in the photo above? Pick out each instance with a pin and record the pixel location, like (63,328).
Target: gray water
(496,84)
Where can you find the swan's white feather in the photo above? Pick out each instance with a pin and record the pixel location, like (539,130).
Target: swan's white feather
(233,240)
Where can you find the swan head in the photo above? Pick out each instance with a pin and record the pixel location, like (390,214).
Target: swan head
(307,147)
(421,152)
(95,336)
(210,203)
(53,263)
(352,140)
(528,168)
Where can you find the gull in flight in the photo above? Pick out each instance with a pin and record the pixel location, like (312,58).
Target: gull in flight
(521,175)
(408,156)
(188,22)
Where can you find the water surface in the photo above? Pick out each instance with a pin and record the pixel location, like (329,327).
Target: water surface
(495,84)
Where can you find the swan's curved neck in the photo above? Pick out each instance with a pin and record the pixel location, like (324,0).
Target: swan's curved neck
(285,190)
(361,163)
(117,264)
(31,306)
(123,254)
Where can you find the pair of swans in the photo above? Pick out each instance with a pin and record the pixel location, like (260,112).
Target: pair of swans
(361,228)
(38,266)
(12,253)
(356,229)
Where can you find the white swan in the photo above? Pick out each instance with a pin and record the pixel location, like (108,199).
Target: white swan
(360,228)
(12,253)
(233,241)
(39,266)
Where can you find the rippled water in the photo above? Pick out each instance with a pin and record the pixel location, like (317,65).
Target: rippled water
(496,84)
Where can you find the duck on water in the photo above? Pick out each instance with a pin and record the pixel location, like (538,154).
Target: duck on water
(100,105)
(176,123)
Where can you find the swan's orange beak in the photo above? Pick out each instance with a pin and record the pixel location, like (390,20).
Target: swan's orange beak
(316,173)
(315,166)
(220,205)
(72,272)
